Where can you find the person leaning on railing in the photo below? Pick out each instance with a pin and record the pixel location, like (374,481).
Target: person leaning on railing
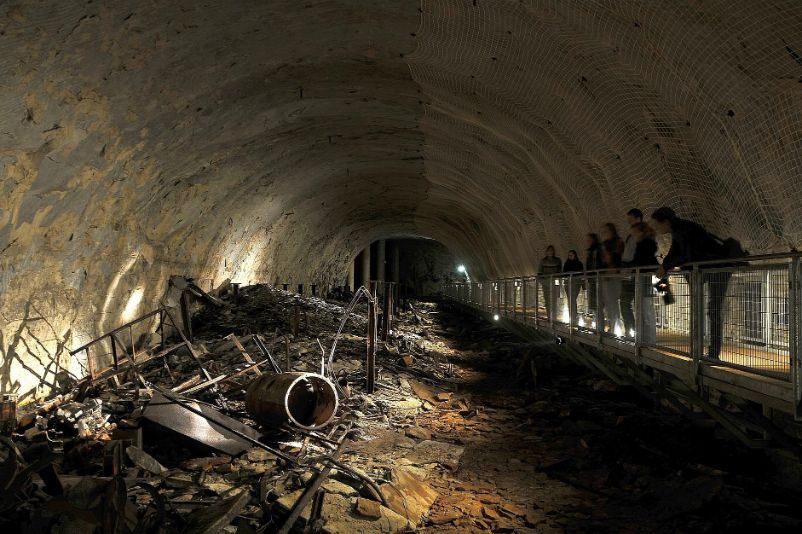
(690,242)
(549,265)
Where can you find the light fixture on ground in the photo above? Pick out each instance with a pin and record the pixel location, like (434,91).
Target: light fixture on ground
(496,317)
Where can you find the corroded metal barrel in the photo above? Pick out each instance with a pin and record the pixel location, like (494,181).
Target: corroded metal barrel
(306,400)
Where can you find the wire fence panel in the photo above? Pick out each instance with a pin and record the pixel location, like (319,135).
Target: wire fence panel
(672,311)
(609,320)
(586,303)
(561,308)
(531,302)
(747,319)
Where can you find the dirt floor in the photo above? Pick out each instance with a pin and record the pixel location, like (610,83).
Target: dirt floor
(573,452)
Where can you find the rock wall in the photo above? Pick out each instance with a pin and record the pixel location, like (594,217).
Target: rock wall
(271,141)
(425,265)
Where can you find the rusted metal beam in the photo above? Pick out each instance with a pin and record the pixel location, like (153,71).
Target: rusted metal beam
(260,344)
(189,346)
(186,318)
(387,325)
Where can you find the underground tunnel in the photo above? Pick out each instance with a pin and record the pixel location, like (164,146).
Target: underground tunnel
(280,266)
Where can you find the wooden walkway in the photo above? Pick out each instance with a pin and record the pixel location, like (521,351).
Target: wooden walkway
(761,374)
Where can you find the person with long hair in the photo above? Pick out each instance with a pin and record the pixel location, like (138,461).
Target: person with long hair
(645,256)
(593,262)
(573,265)
(549,265)
(612,247)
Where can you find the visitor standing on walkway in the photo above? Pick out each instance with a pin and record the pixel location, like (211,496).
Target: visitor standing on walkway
(612,247)
(549,265)
(644,256)
(593,262)
(573,265)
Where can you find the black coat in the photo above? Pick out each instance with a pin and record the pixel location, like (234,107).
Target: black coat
(645,253)
(614,247)
(573,266)
(593,259)
(691,242)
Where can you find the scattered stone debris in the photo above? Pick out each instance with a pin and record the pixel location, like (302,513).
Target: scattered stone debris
(453,440)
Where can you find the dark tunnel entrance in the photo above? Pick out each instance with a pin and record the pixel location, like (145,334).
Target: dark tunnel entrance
(420,266)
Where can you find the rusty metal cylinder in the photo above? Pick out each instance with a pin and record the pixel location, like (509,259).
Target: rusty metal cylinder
(306,400)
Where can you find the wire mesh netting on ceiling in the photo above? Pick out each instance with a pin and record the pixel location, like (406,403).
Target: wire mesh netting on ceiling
(564,114)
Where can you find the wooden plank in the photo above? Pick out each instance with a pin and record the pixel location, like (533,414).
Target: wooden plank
(202,386)
(771,387)
(244,352)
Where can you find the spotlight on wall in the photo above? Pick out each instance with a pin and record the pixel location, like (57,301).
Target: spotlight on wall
(461,269)
(496,317)
(132,306)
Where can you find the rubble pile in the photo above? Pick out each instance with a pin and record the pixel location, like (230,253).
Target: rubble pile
(170,446)
(469,430)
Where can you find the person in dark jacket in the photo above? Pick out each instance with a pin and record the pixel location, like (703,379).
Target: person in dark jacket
(645,248)
(644,255)
(573,265)
(549,265)
(593,262)
(612,247)
(690,242)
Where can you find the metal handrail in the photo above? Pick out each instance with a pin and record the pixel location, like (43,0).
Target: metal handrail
(767,298)
(646,268)
(110,333)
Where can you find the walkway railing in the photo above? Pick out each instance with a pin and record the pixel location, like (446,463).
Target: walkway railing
(748,313)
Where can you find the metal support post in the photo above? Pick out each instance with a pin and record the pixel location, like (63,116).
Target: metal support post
(185,315)
(114,353)
(387,311)
(795,334)
(161,326)
(550,301)
(523,299)
(371,340)
(697,330)
(571,307)
(638,313)
(599,308)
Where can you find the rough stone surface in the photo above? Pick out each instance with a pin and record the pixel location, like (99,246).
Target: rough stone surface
(228,140)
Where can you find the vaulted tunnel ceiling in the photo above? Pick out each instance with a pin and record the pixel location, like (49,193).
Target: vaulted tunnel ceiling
(272,140)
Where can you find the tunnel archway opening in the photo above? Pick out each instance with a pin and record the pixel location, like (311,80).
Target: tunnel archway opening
(419,265)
